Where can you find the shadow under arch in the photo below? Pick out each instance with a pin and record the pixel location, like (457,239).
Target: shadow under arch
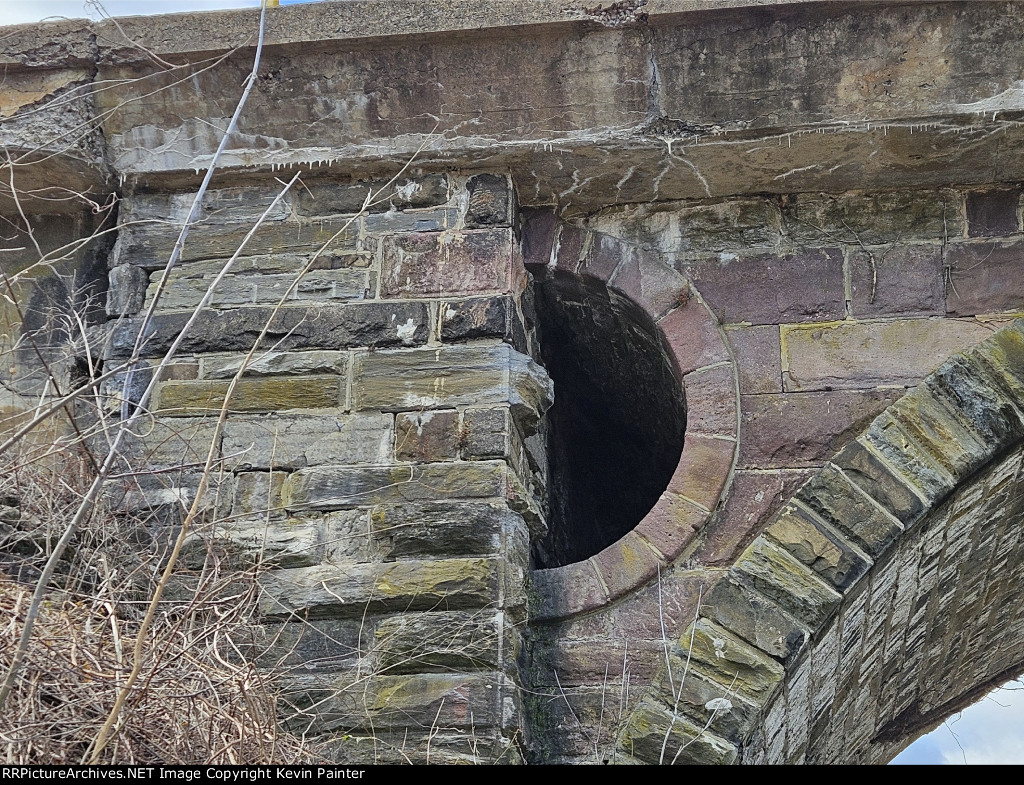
(887,594)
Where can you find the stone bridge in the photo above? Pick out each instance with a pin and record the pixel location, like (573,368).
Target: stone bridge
(635,382)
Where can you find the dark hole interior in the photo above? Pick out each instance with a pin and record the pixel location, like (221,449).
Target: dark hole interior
(615,431)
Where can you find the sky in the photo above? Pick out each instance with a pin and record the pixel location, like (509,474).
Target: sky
(991,731)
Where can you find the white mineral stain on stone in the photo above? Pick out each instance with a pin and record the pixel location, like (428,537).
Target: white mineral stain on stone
(407,331)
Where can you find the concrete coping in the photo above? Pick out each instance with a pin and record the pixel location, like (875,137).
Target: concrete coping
(64,42)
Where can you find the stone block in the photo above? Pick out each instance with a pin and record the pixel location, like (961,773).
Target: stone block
(219,205)
(339,487)
(758,356)
(491,317)
(753,498)
(319,645)
(852,512)
(442,528)
(845,355)
(427,436)
(149,245)
(873,218)
(338,704)
(912,463)
(539,227)
(348,537)
(711,401)
(969,390)
(703,469)
(486,433)
(126,290)
(391,222)
(355,589)
(993,213)
(460,641)
(338,327)
(176,442)
(1003,356)
(244,543)
(569,246)
(450,264)
(275,364)
(768,289)
(326,198)
(984,277)
(805,538)
(269,394)
(694,336)
(649,726)
(491,201)
(298,441)
(724,658)
(896,280)
(649,282)
(452,376)
(788,583)
(565,591)
(805,429)
(757,621)
(258,494)
(868,471)
(603,255)
(672,525)
(626,564)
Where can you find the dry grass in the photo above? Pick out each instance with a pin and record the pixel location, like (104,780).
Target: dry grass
(199,699)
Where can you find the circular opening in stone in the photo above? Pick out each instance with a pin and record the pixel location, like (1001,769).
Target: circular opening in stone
(615,432)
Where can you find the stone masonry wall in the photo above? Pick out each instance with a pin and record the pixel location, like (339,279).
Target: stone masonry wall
(374,456)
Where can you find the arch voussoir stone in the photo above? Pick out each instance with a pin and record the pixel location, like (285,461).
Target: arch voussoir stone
(869,608)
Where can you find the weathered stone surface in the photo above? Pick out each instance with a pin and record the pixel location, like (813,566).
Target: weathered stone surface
(491,201)
(492,317)
(452,376)
(442,528)
(561,592)
(456,263)
(344,702)
(813,544)
(414,643)
(625,564)
(867,354)
(648,728)
(391,222)
(711,401)
(872,219)
(758,356)
(785,581)
(338,487)
(647,280)
(901,279)
(319,645)
(218,206)
(892,442)
(348,537)
(753,497)
(251,395)
(984,277)
(427,436)
(877,479)
(703,469)
(973,395)
(127,290)
(298,441)
(187,291)
(172,442)
(149,246)
(321,198)
(275,364)
(258,494)
(732,663)
(831,495)
(338,327)
(768,289)
(746,613)
(351,590)
(992,213)
(672,525)
(804,429)
(291,543)
(694,336)
(486,433)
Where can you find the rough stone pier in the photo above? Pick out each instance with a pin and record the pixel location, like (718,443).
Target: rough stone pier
(636,381)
